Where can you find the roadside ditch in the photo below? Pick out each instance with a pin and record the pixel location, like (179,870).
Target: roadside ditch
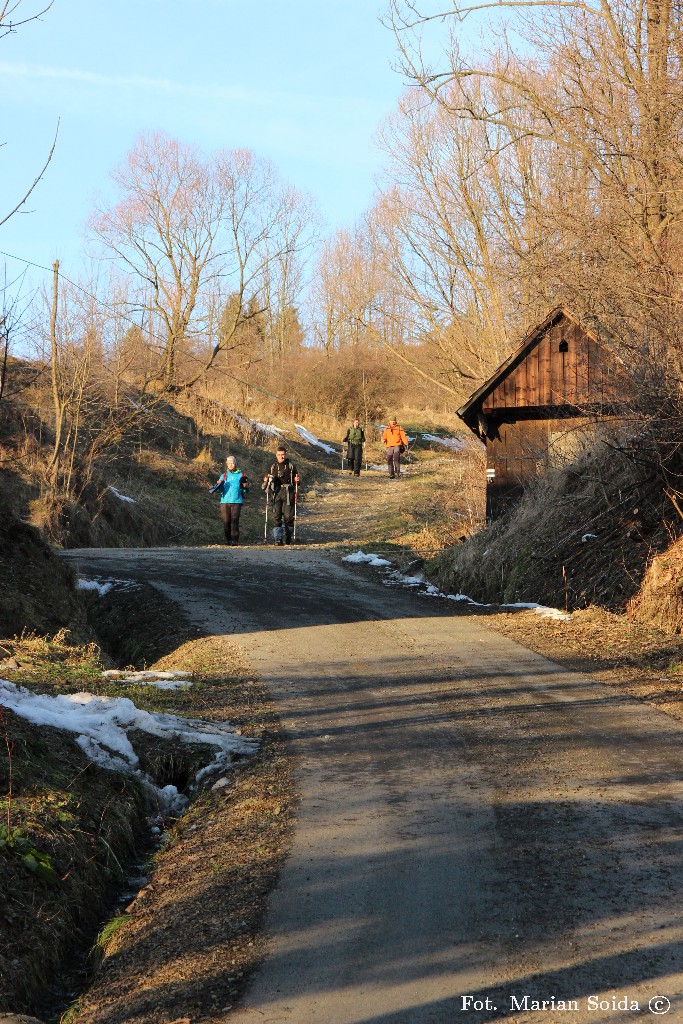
(143,892)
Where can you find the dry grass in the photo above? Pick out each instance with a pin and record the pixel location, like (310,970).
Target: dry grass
(660,598)
(581,535)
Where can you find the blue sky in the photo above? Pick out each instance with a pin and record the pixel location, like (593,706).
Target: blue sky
(303,82)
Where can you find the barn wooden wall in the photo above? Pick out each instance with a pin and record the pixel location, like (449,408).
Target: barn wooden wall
(528,448)
(548,376)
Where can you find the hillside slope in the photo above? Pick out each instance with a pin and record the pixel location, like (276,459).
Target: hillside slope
(581,535)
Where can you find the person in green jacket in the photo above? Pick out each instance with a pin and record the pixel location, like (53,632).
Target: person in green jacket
(355,438)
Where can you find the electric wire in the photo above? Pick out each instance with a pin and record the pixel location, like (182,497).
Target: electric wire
(112,309)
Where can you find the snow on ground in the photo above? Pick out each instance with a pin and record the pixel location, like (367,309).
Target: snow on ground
(359,556)
(175,680)
(457,444)
(312,439)
(102,725)
(101,588)
(261,428)
(103,585)
(395,578)
(248,424)
(552,613)
(121,497)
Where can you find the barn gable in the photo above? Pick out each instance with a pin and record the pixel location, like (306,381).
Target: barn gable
(542,398)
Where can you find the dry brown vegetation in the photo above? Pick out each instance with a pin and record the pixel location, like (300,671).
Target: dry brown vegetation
(603,531)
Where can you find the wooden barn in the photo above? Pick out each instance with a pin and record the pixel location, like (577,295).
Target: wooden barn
(541,404)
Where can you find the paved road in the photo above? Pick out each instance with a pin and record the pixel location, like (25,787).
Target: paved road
(477,825)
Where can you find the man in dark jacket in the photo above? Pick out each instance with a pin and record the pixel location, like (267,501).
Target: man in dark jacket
(282,483)
(355,438)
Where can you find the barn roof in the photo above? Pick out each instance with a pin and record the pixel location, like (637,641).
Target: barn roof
(469,412)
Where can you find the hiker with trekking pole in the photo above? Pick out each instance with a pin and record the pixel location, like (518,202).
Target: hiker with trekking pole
(281,485)
(355,438)
(232,487)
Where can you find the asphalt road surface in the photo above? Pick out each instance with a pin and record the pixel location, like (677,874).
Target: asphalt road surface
(480,832)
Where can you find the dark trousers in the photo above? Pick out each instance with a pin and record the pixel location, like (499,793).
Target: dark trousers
(230,514)
(355,457)
(283,510)
(394,460)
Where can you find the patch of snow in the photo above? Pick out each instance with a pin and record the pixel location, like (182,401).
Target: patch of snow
(248,424)
(262,428)
(313,440)
(102,724)
(101,588)
(221,784)
(104,585)
(552,613)
(162,680)
(397,579)
(121,497)
(360,556)
(179,684)
(457,444)
(220,762)
(588,536)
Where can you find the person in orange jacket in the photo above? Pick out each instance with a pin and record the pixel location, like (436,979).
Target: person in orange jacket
(395,442)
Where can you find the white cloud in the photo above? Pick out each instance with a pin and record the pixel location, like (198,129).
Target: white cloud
(166,87)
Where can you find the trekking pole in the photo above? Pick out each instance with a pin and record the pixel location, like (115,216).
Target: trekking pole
(342,455)
(265,528)
(365,456)
(296,495)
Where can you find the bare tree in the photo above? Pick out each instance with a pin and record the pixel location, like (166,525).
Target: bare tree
(599,84)
(196,233)
(164,230)
(283,271)
(269,227)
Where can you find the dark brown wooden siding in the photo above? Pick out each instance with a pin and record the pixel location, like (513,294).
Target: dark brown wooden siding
(547,376)
(524,450)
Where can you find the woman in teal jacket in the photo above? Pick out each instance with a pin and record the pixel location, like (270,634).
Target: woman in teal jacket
(232,486)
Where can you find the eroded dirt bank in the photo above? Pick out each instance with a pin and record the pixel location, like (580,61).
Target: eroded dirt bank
(474,820)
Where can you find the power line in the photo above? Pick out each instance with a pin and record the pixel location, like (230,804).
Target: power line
(113,309)
(74,284)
